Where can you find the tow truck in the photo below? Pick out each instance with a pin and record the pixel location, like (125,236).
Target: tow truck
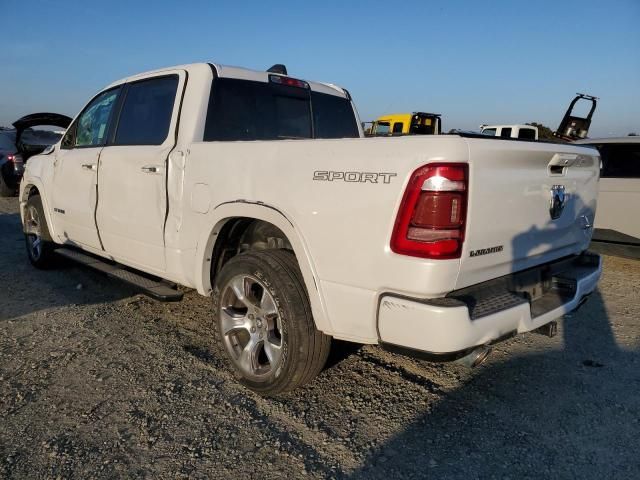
(416,123)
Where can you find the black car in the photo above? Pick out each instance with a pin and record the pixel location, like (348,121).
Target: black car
(22,142)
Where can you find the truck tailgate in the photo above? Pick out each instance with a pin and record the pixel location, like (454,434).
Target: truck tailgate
(526,206)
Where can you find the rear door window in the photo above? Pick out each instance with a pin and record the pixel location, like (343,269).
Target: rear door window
(397,127)
(620,160)
(505,133)
(146,112)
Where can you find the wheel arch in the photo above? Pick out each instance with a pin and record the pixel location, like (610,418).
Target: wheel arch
(227,217)
(27,190)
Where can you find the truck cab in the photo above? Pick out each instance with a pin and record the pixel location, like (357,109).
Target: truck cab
(416,123)
(521,132)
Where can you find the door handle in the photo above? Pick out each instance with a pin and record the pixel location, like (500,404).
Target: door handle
(89,166)
(151,169)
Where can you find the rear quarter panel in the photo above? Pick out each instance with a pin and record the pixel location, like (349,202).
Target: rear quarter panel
(345,225)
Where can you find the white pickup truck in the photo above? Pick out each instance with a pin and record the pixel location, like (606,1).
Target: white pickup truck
(260,190)
(522,132)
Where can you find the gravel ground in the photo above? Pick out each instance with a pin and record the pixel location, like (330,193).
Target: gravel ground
(97,381)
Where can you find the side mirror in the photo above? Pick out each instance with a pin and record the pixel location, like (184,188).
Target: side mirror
(69,138)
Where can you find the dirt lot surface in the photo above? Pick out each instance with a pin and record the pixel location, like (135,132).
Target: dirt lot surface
(97,381)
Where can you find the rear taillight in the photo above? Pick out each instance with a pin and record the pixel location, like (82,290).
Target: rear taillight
(433,211)
(18,163)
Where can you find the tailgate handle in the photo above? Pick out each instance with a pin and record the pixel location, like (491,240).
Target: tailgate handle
(559,163)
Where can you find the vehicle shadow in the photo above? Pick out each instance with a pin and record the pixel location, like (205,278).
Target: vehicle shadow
(567,412)
(25,290)
(341,350)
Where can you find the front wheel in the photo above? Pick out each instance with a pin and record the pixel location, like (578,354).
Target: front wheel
(36,234)
(263,322)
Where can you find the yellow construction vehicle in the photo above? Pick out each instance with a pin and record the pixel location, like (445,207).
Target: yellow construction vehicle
(416,123)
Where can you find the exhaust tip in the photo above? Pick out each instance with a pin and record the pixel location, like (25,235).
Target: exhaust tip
(476,357)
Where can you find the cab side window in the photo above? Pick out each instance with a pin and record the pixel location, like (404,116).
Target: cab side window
(505,133)
(91,128)
(146,111)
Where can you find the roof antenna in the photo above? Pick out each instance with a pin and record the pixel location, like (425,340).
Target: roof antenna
(278,68)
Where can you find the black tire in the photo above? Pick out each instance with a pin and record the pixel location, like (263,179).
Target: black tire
(304,349)
(6,190)
(42,257)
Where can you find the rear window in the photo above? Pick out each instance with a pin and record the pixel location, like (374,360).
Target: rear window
(423,126)
(333,117)
(620,160)
(527,134)
(248,110)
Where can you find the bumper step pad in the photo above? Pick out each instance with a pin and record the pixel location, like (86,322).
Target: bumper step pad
(555,284)
(154,288)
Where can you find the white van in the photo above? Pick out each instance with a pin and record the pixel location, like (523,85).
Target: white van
(523,132)
(618,216)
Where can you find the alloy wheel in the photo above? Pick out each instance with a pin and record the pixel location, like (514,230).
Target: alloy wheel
(251,326)
(33,231)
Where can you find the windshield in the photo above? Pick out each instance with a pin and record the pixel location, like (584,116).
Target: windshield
(383,128)
(40,137)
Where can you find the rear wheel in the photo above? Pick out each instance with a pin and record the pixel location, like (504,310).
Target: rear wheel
(36,234)
(263,322)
